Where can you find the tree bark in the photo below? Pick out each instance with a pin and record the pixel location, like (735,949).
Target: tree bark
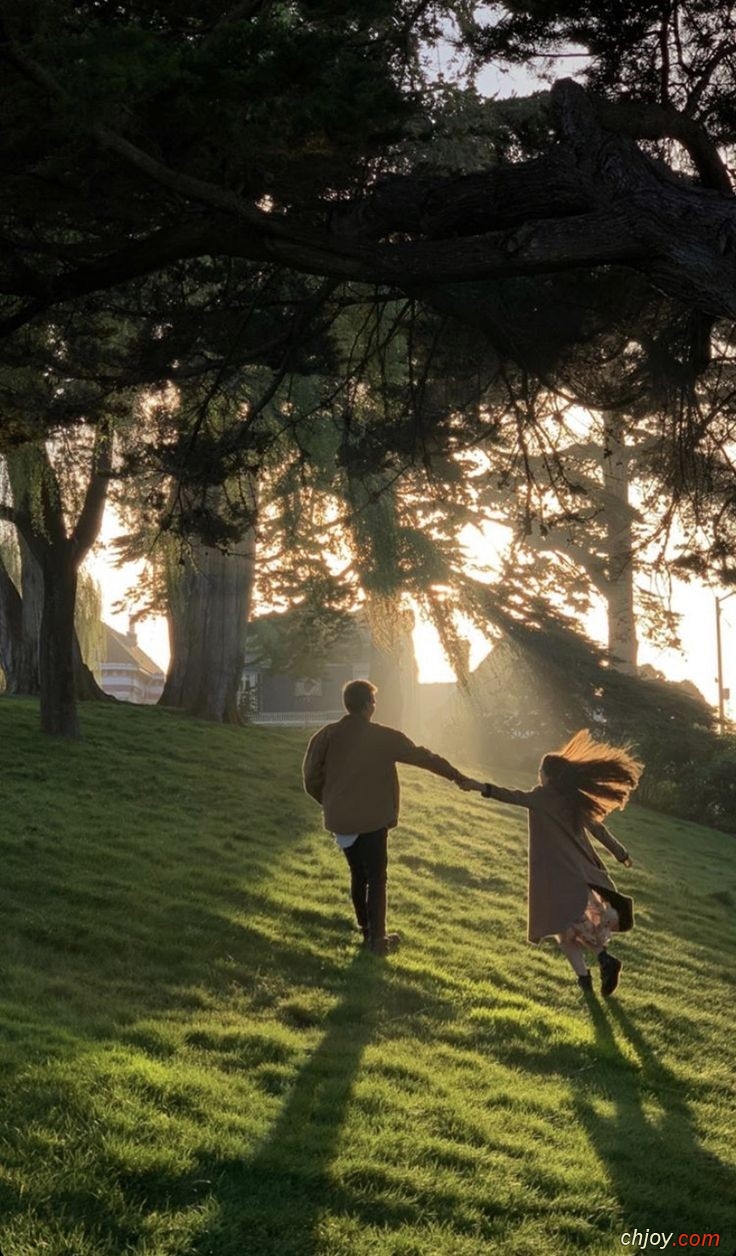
(11,613)
(31,587)
(385,673)
(392,664)
(56,646)
(20,617)
(85,685)
(20,626)
(619,589)
(209,605)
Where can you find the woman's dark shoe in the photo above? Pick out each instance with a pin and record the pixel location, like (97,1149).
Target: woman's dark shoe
(586,983)
(610,969)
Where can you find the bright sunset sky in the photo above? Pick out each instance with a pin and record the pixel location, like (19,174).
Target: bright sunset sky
(697,630)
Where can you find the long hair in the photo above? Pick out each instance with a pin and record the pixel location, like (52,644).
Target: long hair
(596,777)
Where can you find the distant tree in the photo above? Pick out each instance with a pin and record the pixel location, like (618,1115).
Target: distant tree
(58,537)
(208,599)
(543,679)
(577,504)
(21,604)
(196,526)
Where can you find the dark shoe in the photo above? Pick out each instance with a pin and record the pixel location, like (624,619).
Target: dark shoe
(586,983)
(385,945)
(610,969)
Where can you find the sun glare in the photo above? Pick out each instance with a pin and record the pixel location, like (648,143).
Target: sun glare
(695,604)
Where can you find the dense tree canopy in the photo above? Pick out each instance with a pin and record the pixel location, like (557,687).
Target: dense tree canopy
(287,133)
(213,183)
(218,202)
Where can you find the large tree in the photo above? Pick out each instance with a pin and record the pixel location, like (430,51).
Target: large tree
(197,146)
(21,612)
(541,223)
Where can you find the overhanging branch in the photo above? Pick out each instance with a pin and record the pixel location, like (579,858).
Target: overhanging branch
(594,200)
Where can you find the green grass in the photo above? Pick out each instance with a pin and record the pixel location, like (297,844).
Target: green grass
(198,1061)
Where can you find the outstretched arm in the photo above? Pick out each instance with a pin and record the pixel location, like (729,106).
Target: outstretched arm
(516,797)
(606,838)
(406,752)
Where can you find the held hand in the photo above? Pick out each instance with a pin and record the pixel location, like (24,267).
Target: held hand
(467,783)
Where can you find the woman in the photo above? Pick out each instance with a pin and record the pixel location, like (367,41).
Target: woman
(571,896)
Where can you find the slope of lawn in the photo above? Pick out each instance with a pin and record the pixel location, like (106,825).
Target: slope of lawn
(197,1058)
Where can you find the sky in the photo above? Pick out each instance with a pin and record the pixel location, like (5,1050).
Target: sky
(696,662)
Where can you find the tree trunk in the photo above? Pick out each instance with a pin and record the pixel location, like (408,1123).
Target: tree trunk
(20,626)
(209,604)
(392,664)
(385,673)
(85,685)
(31,587)
(20,618)
(11,613)
(622,641)
(56,645)
(51,558)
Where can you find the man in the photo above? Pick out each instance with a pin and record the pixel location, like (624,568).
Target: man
(350,770)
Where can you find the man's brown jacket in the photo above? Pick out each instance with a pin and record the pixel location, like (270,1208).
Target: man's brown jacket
(350,770)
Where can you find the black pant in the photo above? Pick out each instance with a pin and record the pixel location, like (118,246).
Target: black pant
(368,859)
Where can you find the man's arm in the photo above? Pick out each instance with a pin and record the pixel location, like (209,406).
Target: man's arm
(606,838)
(313,767)
(419,757)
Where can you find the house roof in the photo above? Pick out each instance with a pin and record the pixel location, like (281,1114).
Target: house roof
(120,648)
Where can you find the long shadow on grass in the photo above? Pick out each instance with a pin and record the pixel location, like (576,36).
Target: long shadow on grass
(639,1120)
(280,1201)
(79,1003)
(662,1176)
(47,1109)
(271,1204)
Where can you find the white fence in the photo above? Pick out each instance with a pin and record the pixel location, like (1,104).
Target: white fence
(296,719)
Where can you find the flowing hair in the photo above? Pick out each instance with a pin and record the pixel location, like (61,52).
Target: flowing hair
(596,777)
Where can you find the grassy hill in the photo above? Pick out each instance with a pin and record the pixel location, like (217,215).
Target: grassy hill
(197,1060)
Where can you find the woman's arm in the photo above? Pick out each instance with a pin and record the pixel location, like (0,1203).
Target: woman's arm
(516,797)
(606,838)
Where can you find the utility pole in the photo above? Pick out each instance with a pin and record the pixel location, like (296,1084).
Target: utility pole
(723,694)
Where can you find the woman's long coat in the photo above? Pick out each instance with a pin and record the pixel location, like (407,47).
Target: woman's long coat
(562,861)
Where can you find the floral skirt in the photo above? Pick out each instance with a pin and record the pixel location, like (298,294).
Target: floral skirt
(594,928)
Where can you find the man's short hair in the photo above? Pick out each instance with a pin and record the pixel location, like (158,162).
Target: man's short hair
(356,695)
